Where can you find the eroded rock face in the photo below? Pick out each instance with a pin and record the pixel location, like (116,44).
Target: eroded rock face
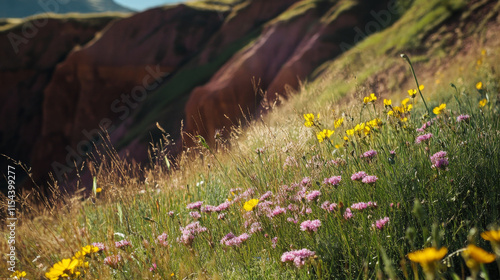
(26,67)
(103,82)
(286,52)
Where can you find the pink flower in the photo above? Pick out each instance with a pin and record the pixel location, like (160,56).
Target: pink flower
(370,179)
(223,206)
(207,209)
(221,216)
(297,257)
(309,210)
(439,160)
(265,196)
(327,206)
(153,268)
(274,241)
(372,204)
(122,244)
(171,213)
(313,195)
(462,118)
(292,220)
(162,239)
(360,206)
(190,232)
(100,245)
(335,180)
(426,125)
(310,226)
(194,205)
(255,227)
(277,211)
(306,181)
(348,214)
(195,214)
(231,240)
(293,208)
(358,176)
(369,154)
(113,260)
(423,138)
(381,223)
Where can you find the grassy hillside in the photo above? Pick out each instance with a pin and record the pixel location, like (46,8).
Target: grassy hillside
(285,199)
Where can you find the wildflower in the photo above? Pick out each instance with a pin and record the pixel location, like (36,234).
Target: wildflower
(381,223)
(221,216)
(113,260)
(359,206)
(277,211)
(153,268)
(348,214)
(387,102)
(350,132)
(265,196)
(372,204)
(412,93)
(306,181)
(194,205)
(231,240)
(195,214)
(298,257)
(64,268)
(274,242)
(255,227)
(370,179)
(122,244)
(358,176)
(369,154)
(479,86)
(483,103)
(309,119)
(426,125)
(423,138)
(439,160)
(439,109)
(427,258)
(494,237)
(250,205)
(462,118)
(293,208)
(18,274)
(421,87)
(338,122)
(89,249)
(325,134)
(190,232)
(98,190)
(334,181)
(475,256)
(162,239)
(292,220)
(371,98)
(99,245)
(171,213)
(313,195)
(375,123)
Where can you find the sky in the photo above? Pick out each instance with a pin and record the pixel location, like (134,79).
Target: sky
(140,5)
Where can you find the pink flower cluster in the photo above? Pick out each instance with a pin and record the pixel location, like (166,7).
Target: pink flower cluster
(334,181)
(274,242)
(194,205)
(298,257)
(221,207)
(381,223)
(232,240)
(113,260)
(348,214)
(306,181)
(195,214)
(100,245)
(255,227)
(369,179)
(425,125)
(463,118)
(266,196)
(314,195)
(358,176)
(162,239)
(122,244)
(423,138)
(369,154)
(310,226)
(330,207)
(439,160)
(190,232)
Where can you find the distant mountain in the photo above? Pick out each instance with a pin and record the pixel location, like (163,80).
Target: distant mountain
(25,8)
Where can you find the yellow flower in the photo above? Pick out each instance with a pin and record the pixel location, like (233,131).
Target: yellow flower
(421,87)
(371,98)
(375,123)
(322,135)
(483,102)
(438,110)
(406,100)
(412,93)
(390,113)
(474,256)
(339,122)
(427,258)
(349,132)
(479,85)
(346,138)
(359,127)
(86,251)
(18,274)
(309,120)
(250,205)
(492,235)
(64,268)
(483,52)
(387,102)
(98,190)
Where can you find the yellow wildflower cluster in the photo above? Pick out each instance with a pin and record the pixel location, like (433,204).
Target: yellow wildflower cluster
(70,268)
(339,122)
(372,98)
(439,109)
(364,128)
(325,134)
(309,120)
(400,112)
(18,274)
(483,103)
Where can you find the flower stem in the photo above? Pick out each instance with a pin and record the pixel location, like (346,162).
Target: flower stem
(405,57)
